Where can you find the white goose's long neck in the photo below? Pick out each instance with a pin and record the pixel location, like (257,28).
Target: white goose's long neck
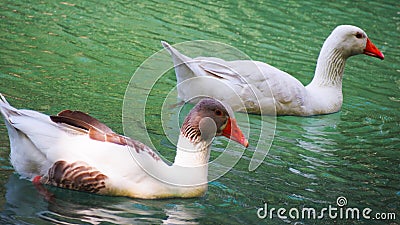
(190,168)
(187,177)
(330,68)
(191,154)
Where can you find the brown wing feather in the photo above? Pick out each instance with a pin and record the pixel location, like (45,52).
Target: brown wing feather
(96,130)
(75,176)
(84,120)
(99,131)
(71,121)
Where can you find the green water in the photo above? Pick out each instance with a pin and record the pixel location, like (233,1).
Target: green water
(82,54)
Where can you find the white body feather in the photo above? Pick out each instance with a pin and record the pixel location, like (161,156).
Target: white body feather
(257,87)
(37,143)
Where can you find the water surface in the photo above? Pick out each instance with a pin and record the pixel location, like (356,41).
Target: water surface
(82,54)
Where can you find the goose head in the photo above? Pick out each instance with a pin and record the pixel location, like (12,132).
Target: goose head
(211,118)
(352,40)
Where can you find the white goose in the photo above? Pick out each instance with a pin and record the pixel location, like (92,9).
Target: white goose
(264,88)
(75,151)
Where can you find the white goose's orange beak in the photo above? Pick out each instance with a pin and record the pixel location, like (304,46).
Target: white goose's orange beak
(372,50)
(233,132)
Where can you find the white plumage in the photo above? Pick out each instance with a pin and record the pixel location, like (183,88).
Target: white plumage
(257,87)
(75,151)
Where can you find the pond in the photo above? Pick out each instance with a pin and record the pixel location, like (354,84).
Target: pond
(81,55)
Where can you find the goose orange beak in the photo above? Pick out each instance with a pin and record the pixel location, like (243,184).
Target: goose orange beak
(372,50)
(233,132)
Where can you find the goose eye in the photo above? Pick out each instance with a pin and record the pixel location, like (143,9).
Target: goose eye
(218,112)
(359,35)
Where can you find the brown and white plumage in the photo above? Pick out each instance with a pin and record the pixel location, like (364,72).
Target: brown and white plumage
(75,176)
(257,87)
(75,151)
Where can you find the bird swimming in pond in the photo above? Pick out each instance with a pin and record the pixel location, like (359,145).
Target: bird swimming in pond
(75,151)
(256,87)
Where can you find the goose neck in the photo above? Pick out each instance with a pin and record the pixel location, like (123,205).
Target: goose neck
(330,68)
(191,153)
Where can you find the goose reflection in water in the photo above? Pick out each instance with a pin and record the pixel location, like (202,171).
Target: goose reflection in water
(24,201)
